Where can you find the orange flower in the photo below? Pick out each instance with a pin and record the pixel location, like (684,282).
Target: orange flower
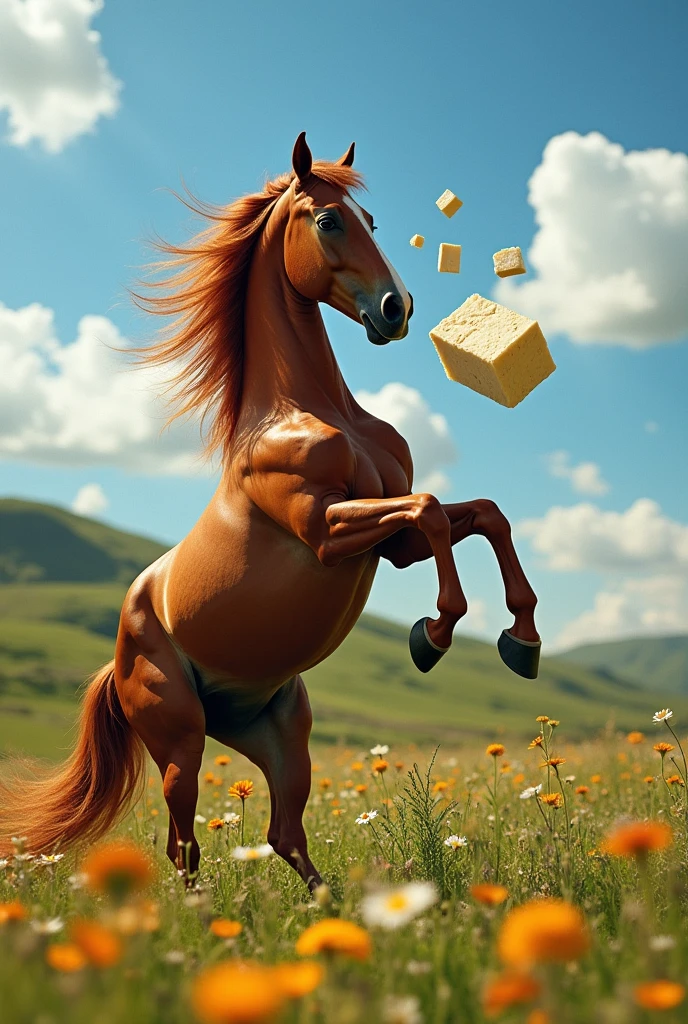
(542,718)
(337,811)
(12,911)
(659,995)
(65,957)
(637,839)
(537,742)
(235,992)
(663,748)
(624,776)
(675,780)
(357,766)
(542,930)
(554,722)
(215,824)
(399,765)
(101,946)
(509,990)
(595,779)
(333,935)
(361,787)
(225,929)
(209,778)
(538,1017)
(490,894)
(635,737)
(440,786)
(242,789)
(222,759)
(298,979)
(552,799)
(117,868)
(554,762)
(380,766)
(582,790)
(495,749)
(649,779)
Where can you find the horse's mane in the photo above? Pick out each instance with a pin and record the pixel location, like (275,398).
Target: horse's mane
(203,285)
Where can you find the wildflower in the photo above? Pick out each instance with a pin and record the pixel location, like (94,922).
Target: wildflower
(50,858)
(366,817)
(659,995)
(361,788)
(215,824)
(509,990)
(236,992)
(393,908)
(440,786)
(357,766)
(231,818)
(401,1010)
(582,790)
(199,819)
(332,935)
(223,759)
(662,943)
(536,742)
(649,779)
(380,766)
(634,738)
(399,765)
(101,946)
(242,789)
(530,791)
(65,957)
(543,930)
(554,722)
(661,716)
(595,779)
(552,799)
(637,839)
(296,980)
(51,926)
(133,918)
(12,911)
(209,778)
(118,868)
(252,852)
(489,894)
(542,718)
(495,749)
(554,762)
(225,929)
(675,780)
(663,748)
(456,842)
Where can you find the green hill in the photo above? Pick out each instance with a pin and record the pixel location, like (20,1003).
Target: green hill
(653,663)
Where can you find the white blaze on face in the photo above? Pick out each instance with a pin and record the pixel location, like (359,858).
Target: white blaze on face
(399,284)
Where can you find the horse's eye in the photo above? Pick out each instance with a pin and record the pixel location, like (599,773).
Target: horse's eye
(327,223)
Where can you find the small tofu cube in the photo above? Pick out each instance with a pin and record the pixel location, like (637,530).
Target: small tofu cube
(449,259)
(449,203)
(417,241)
(492,350)
(508,262)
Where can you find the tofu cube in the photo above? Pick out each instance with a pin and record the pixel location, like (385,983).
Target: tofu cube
(492,350)
(508,262)
(449,203)
(449,259)
(418,241)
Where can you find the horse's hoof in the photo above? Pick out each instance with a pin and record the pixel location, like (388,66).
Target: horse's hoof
(521,656)
(424,652)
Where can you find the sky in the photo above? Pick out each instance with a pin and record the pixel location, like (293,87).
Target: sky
(561,127)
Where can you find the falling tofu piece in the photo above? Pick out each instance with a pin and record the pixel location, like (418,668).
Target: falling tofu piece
(492,350)
(508,262)
(448,203)
(418,241)
(449,259)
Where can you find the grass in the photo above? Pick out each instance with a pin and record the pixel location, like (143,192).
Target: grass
(446,956)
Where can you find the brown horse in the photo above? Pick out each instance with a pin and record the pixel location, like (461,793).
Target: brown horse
(314,491)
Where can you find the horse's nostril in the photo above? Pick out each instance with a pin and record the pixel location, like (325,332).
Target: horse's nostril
(392,308)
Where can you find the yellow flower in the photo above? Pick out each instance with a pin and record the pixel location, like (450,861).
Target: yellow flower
(380,766)
(675,780)
(635,738)
(663,748)
(490,894)
(537,742)
(649,779)
(495,749)
(12,911)
(235,992)
(440,786)
(337,811)
(595,779)
(325,783)
(582,790)
(637,839)
(298,979)
(65,957)
(242,789)
(333,935)
(554,762)
(214,824)
(554,722)
(509,990)
(100,945)
(659,995)
(542,718)
(223,759)
(225,929)
(357,766)
(361,787)
(117,868)
(552,799)
(542,930)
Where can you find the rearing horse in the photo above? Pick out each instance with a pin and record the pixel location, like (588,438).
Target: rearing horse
(214,636)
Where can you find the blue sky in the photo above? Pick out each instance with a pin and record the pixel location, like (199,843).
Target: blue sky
(467,96)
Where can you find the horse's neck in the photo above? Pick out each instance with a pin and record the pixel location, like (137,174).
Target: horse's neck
(288,358)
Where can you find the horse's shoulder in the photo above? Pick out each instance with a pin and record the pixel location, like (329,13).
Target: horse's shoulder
(303,445)
(382,433)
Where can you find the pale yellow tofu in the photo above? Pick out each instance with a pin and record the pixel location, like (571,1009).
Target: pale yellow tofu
(418,241)
(449,258)
(508,262)
(449,203)
(494,351)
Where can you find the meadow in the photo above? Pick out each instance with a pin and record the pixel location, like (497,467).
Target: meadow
(516,881)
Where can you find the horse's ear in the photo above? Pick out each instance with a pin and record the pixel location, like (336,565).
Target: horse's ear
(348,158)
(301,158)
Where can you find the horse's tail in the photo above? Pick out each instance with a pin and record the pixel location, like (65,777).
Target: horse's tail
(90,792)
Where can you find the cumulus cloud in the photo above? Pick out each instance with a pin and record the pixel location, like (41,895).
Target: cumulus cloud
(78,404)
(585,478)
(427,432)
(90,500)
(54,81)
(609,252)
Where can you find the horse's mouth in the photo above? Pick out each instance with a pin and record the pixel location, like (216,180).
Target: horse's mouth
(373,334)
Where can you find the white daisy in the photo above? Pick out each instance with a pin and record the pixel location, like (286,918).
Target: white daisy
(200,819)
(49,927)
(50,858)
(252,852)
(661,716)
(230,818)
(530,791)
(392,908)
(401,1010)
(366,817)
(662,943)
(380,750)
(456,842)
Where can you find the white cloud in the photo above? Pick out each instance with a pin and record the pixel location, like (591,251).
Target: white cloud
(90,500)
(585,478)
(54,81)
(78,404)
(611,243)
(427,432)
(474,621)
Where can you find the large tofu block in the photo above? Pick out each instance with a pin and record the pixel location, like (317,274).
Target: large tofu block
(492,350)
(508,262)
(449,258)
(448,203)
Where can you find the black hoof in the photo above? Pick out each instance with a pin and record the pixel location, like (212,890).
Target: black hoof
(424,652)
(521,656)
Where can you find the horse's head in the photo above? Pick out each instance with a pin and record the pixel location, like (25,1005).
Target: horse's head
(331,254)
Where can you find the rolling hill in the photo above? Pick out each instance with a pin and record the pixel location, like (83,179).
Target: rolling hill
(653,663)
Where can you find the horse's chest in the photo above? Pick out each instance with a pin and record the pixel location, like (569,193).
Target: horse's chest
(379,474)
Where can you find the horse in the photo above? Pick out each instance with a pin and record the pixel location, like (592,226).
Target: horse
(215,635)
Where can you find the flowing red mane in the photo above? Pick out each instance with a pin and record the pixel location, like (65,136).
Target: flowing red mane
(203,286)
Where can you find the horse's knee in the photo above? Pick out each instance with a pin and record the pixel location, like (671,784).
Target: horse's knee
(489,518)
